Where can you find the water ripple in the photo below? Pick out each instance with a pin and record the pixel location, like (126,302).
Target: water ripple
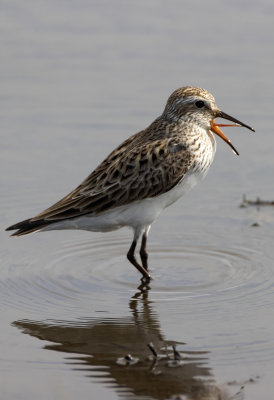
(81,268)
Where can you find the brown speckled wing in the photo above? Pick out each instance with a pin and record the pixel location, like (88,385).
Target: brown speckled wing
(134,171)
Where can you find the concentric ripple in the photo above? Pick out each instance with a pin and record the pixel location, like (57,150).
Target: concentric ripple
(81,268)
(204,292)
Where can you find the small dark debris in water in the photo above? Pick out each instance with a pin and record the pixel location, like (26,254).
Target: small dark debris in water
(258,202)
(156,356)
(177,355)
(239,395)
(127,360)
(152,349)
(250,380)
(253,380)
(176,359)
(255,224)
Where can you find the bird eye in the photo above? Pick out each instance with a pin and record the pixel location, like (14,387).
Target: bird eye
(199,104)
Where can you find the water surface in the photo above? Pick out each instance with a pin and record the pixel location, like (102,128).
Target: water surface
(77,79)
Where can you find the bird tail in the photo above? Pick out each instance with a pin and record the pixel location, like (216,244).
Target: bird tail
(28,226)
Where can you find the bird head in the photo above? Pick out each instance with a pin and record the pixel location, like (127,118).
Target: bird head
(194,105)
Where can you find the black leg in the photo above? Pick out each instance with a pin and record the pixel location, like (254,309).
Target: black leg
(132,259)
(143,251)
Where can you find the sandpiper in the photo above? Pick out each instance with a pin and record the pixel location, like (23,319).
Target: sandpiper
(145,174)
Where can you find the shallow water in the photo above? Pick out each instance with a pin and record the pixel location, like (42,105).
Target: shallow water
(77,79)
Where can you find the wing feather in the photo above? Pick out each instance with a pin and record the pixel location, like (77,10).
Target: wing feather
(145,170)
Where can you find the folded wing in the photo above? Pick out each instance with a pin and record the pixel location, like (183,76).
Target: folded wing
(123,177)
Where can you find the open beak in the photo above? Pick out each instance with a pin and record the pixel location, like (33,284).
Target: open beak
(215,128)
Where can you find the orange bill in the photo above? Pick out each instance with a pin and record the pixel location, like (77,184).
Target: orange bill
(215,128)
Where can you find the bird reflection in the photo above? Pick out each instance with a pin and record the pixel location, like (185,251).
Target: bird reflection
(97,344)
